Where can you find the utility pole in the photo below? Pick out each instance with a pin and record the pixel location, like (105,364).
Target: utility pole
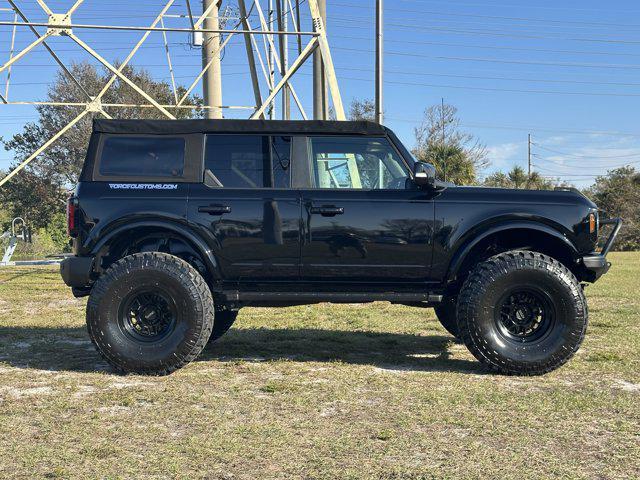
(212,79)
(379,61)
(444,153)
(320,104)
(529,154)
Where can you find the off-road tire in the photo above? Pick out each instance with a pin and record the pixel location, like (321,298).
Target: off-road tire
(223,321)
(481,317)
(446,313)
(188,301)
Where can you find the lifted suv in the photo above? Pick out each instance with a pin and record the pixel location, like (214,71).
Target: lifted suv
(177,225)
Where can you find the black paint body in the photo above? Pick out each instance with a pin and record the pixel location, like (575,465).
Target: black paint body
(273,243)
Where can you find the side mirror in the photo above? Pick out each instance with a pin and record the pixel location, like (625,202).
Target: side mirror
(424,174)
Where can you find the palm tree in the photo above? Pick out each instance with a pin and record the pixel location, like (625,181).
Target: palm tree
(518,177)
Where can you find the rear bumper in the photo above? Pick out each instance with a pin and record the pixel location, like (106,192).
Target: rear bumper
(596,264)
(76,272)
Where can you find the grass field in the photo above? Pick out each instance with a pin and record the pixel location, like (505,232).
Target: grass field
(357,391)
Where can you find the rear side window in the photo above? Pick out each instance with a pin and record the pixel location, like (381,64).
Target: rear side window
(148,156)
(249,161)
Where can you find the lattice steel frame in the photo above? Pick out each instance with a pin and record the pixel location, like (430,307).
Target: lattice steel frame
(61,24)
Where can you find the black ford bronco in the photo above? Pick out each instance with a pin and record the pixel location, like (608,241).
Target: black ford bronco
(176,225)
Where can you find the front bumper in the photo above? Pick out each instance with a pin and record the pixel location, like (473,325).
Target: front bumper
(595,264)
(77,272)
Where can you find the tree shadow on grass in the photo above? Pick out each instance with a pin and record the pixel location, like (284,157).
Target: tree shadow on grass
(69,349)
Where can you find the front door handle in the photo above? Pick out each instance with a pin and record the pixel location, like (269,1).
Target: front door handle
(327,211)
(215,209)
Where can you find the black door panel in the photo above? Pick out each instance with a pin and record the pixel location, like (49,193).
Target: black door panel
(367,236)
(254,234)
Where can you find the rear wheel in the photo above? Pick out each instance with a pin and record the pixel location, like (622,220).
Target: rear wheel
(150,313)
(522,313)
(446,313)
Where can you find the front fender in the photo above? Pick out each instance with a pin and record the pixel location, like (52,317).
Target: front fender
(467,245)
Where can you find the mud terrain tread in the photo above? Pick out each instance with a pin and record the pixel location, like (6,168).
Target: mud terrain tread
(472,291)
(188,276)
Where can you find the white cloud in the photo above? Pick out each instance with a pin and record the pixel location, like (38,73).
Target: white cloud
(579,160)
(501,155)
(556,140)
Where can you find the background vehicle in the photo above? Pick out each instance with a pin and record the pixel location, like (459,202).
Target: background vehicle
(179,224)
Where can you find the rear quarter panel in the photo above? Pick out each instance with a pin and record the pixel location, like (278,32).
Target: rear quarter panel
(108,206)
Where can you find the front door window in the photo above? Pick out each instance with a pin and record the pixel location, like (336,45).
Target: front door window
(357,163)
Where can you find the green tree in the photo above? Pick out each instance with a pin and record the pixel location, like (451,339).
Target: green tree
(518,178)
(618,194)
(498,179)
(57,230)
(457,155)
(33,197)
(38,190)
(362,110)
(538,182)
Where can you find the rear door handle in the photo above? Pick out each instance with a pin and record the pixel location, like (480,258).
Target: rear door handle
(327,211)
(215,209)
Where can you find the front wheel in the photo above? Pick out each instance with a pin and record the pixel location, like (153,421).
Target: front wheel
(522,313)
(150,313)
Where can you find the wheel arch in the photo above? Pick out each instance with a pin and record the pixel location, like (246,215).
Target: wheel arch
(116,242)
(509,236)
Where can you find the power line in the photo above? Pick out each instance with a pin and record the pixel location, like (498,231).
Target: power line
(553,172)
(495,60)
(505,90)
(496,17)
(478,77)
(519,7)
(568,165)
(584,156)
(527,128)
(499,47)
(494,33)
(517,28)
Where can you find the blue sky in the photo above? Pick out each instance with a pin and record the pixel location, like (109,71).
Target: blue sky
(566,72)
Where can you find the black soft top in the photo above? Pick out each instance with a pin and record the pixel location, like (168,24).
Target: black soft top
(168,127)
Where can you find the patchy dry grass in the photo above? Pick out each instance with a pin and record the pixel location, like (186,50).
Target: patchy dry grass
(375,391)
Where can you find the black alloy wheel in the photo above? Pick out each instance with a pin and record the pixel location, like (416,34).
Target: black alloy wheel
(524,315)
(148,315)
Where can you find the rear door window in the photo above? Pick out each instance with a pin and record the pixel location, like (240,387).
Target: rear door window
(249,161)
(143,156)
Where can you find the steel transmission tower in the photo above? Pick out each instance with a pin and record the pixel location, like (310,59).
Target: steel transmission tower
(263,43)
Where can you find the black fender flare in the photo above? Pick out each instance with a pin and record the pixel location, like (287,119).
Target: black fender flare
(467,246)
(186,233)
